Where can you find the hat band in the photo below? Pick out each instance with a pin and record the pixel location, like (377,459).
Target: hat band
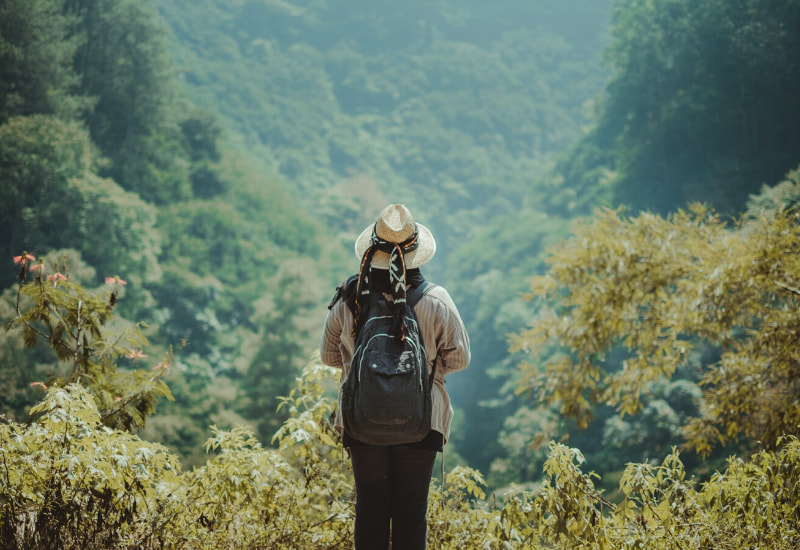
(409,245)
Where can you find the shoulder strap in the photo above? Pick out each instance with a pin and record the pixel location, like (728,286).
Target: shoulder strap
(412,297)
(345,291)
(415,294)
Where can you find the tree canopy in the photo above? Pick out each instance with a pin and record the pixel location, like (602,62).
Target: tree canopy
(628,299)
(701,106)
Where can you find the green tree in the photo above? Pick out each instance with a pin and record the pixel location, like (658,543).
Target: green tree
(288,318)
(36,49)
(75,322)
(52,198)
(702,103)
(657,288)
(22,368)
(489,280)
(202,132)
(239,290)
(84,485)
(124,65)
(521,460)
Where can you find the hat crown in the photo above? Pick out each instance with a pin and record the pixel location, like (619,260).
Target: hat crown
(395,224)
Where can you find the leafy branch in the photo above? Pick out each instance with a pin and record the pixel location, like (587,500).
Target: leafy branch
(74,322)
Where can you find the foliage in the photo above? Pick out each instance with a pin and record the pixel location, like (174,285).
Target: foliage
(201,133)
(36,49)
(196,226)
(68,482)
(449,101)
(228,218)
(439,104)
(490,301)
(240,291)
(124,66)
(751,505)
(701,105)
(74,322)
(523,454)
(655,288)
(54,199)
(288,322)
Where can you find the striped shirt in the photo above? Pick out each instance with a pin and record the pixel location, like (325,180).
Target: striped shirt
(445,339)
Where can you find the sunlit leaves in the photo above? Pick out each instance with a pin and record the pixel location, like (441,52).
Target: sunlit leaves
(75,323)
(84,484)
(655,287)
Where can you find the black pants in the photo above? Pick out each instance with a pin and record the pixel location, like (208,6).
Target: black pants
(391,486)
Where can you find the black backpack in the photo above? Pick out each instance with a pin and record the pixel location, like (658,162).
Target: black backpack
(386,397)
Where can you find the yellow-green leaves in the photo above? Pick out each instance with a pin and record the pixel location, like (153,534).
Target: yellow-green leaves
(75,322)
(626,300)
(86,486)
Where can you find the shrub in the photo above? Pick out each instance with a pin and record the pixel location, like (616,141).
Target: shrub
(74,477)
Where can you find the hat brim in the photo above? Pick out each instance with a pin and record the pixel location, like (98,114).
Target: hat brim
(424,251)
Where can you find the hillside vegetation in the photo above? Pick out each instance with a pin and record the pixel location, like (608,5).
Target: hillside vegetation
(180,186)
(75,478)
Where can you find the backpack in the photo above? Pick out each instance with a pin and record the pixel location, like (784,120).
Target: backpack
(386,397)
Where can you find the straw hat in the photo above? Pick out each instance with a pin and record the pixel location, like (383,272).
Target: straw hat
(396,224)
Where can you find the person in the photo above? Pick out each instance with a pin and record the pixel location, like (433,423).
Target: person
(392,481)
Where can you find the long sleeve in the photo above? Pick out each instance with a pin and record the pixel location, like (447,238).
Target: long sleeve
(330,347)
(443,331)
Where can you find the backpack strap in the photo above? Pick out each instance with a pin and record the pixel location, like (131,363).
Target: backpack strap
(345,291)
(415,295)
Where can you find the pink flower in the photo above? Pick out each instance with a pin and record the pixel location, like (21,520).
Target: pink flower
(24,258)
(37,266)
(163,365)
(56,277)
(39,384)
(115,279)
(118,398)
(136,355)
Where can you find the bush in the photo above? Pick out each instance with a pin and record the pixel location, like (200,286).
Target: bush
(69,480)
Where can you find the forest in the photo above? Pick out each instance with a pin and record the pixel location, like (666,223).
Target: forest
(614,189)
